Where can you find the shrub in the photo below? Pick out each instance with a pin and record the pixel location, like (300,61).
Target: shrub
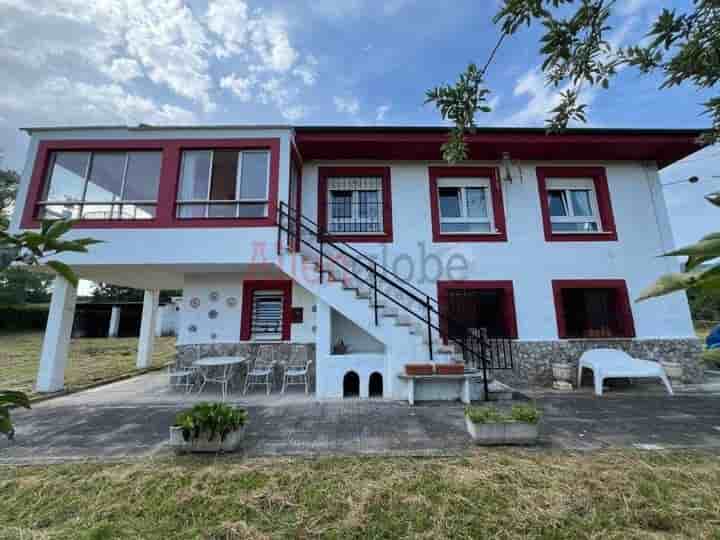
(491,415)
(211,419)
(23,317)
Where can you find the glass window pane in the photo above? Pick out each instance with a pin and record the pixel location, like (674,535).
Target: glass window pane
(195,177)
(224,174)
(97,211)
(192,210)
(449,202)
(67,177)
(58,211)
(254,175)
(476,202)
(341,204)
(464,227)
(143,176)
(581,202)
(253,210)
(369,204)
(557,202)
(106,176)
(222,210)
(588,226)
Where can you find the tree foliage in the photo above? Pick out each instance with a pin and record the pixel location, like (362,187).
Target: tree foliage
(20,285)
(683,47)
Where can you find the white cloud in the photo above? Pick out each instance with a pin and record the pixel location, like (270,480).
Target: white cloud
(230,20)
(269,39)
(241,87)
(380,113)
(293,113)
(123,70)
(349,105)
(631,7)
(339,9)
(307,71)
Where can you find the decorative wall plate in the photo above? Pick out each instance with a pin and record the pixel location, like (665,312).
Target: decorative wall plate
(231,302)
(195,302)
(192,328)
(214,296)
(213,314)
(213,336)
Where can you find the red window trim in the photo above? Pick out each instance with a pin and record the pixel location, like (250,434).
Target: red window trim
(169,178)
(249,288)
(599,178)
(327,172)
(510,315)
(436,173)
(619,285)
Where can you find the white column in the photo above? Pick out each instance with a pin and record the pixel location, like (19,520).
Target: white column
(56,343)
(161,314)
(323,338)
(147,328)
(114,327)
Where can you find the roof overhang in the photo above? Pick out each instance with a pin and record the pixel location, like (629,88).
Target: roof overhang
(423,144)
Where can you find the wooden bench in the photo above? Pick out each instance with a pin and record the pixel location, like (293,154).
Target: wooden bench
(466,378)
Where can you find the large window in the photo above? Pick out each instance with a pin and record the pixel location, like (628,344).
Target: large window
(355,203)
(224,184)
(101,185)
(466,205)
(593,309)
(575,204)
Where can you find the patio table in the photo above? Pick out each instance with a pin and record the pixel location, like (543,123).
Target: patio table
(228,363)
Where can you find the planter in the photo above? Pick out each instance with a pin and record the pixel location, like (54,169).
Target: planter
(450,369)
(674,370)
(202,444)
(563,372)
(504,433)
(419,369)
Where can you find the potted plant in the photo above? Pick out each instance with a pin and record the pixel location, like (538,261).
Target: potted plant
(563,373)
(208,427)
(488,425)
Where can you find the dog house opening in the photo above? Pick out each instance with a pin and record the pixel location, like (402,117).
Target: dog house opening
(351,384)
(375,388)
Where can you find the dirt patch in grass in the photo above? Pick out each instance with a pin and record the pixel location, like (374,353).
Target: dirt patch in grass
(491,494)
(91,360)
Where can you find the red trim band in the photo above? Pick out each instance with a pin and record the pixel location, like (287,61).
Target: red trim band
(249,287)
(384,172)
(436,173)
(599,178)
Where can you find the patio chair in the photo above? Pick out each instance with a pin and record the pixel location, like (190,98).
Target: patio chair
(181,377)
(610,363)
(296,372)
(262,369)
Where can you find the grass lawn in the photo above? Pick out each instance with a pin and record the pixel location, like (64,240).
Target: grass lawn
(90,360)
(492,494)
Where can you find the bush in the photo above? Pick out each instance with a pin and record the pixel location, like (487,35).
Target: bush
(211,419)
(491,415)
(23,317)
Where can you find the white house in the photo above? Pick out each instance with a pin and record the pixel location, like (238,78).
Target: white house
(316,235)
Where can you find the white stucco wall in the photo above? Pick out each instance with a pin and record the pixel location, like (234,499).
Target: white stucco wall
(354,337)
(526,258)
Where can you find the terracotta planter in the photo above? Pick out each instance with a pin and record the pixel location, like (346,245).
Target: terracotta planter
(450,369)
(419,369)
(563,372)
(674,370)
(503,433)
(202,444)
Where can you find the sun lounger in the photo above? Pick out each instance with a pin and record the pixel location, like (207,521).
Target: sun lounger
(613,363)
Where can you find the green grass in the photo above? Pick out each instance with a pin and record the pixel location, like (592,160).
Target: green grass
(90,360)
(492,494)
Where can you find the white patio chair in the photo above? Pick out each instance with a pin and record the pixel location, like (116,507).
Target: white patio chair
(219,375)
(179,377)
(297,369)
(613,363)
(262,369)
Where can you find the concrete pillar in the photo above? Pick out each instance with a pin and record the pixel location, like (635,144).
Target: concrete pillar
(56,343)
(114,328)
(161,315)
(323,343)
(147,328)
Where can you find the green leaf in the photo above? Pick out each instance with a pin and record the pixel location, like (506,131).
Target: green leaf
(711,356)
(708,247)
(680,281)
(64,270)
(14,398)
(58,228)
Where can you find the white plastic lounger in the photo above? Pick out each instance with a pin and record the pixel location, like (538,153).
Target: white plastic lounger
(611,363)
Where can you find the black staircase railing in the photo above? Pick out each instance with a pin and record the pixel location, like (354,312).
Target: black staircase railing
(479,350)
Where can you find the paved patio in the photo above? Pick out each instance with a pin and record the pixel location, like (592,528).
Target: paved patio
(130,419)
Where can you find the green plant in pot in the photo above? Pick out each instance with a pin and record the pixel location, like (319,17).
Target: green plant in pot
(489,425)
(209,427)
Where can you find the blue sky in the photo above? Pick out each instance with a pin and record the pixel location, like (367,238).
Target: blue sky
(308,62)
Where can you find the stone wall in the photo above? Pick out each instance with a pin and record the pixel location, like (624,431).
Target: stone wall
(533,359)
(186,354)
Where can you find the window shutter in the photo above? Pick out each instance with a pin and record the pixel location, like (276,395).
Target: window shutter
(267,313)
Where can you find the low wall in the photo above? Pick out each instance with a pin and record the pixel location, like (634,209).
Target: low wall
(533,359)
(187,354)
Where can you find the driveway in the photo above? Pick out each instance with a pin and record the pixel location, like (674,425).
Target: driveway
(130,419)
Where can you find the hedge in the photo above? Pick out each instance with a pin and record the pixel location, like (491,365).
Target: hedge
(23,317)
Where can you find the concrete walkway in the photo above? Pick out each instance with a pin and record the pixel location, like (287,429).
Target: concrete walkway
(130,419)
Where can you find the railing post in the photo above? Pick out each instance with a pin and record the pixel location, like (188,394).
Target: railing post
(429,326)
(375,300)
(279,227)
(320,239)
(483,357)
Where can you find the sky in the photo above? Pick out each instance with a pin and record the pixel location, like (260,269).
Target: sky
(343,62)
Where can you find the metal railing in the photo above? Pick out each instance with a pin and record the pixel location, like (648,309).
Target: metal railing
(477,348)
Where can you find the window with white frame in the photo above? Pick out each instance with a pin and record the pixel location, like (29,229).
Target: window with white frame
(465,206)
(101,185)
(355,205)
(267,316)
(573,206)
(224,184)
